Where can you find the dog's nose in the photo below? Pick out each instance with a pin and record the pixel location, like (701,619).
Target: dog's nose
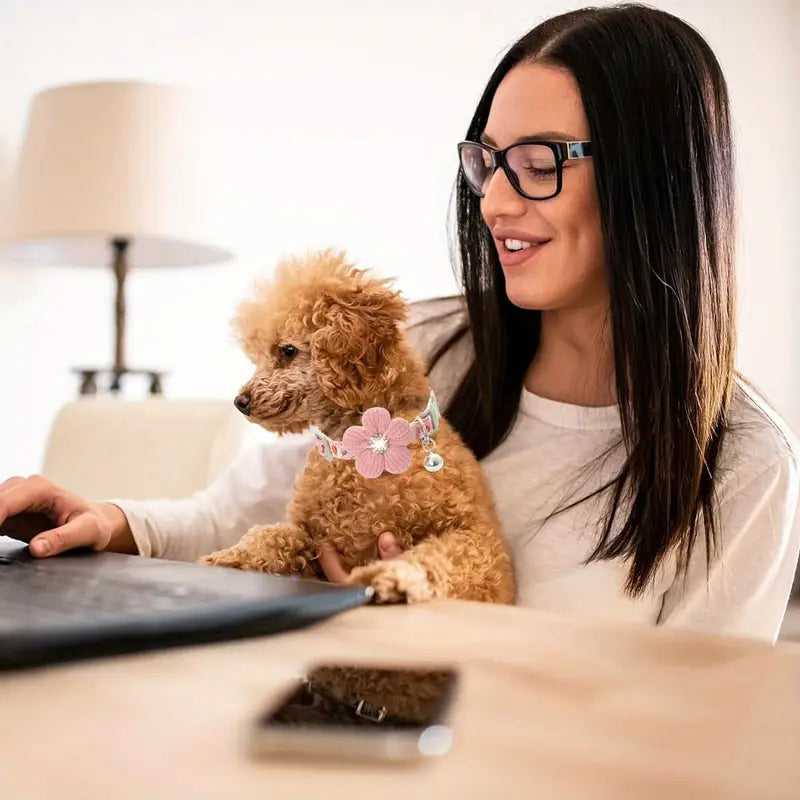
(242,402)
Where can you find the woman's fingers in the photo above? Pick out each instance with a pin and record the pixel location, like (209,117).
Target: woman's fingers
(83,531)
(28,494)
(388,546)
(10,482)
(331,564)
(32,508)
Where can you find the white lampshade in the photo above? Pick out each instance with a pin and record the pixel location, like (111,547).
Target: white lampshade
(114,160)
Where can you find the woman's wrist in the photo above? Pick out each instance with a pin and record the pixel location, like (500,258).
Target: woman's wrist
(120,537)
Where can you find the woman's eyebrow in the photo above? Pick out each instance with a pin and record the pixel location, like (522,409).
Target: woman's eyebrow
(558,136)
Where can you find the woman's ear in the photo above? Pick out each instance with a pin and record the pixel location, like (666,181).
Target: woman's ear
(355,351)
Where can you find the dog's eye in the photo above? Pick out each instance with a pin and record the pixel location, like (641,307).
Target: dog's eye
(287,351)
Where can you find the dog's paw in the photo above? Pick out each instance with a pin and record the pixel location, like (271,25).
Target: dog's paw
(394,581)
(232,557)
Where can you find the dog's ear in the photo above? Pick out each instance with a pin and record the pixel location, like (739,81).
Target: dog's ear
(355,351)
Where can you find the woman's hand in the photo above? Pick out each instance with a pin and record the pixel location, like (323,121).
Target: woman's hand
(75,522)
(332,565)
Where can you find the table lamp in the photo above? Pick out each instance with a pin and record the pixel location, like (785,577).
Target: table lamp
(114,174)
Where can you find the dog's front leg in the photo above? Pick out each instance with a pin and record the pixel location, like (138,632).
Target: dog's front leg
(465,564)
(281,549)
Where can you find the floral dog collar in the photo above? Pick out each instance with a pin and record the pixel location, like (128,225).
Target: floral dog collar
(380,444)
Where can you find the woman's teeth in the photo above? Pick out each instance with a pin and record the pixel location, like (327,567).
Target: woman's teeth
(516,244)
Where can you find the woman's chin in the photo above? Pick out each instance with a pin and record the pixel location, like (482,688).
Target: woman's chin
(530,297)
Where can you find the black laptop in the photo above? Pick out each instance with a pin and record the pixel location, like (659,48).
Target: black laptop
(87,604)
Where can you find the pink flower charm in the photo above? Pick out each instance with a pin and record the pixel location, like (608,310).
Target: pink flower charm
(379,444)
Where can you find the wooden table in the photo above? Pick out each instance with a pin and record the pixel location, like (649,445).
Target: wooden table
(549,708)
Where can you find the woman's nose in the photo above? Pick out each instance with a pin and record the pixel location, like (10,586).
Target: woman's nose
(501,199)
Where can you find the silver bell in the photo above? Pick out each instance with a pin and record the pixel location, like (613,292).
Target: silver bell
(433,462)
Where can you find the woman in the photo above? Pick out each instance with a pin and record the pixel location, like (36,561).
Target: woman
(636,477)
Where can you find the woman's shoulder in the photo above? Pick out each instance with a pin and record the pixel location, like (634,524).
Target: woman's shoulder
(758,439)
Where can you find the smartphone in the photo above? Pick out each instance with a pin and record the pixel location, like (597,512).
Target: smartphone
(361,713)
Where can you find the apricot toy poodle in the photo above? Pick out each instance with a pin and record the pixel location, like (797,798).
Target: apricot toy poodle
(330,354)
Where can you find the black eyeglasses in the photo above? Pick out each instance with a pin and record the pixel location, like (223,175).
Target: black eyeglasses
(534,169)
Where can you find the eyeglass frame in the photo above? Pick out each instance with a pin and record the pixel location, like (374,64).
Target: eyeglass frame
(562,151)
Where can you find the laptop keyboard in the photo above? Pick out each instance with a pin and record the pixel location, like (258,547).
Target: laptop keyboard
(36,594)
(86,605)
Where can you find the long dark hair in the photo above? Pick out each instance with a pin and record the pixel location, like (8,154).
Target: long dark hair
(657,107)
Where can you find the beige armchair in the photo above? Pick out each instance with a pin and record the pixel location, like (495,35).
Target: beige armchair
(147,449)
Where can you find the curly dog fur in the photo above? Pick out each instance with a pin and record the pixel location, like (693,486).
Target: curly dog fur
(348,353)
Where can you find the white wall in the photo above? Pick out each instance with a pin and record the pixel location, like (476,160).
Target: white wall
(342,118)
